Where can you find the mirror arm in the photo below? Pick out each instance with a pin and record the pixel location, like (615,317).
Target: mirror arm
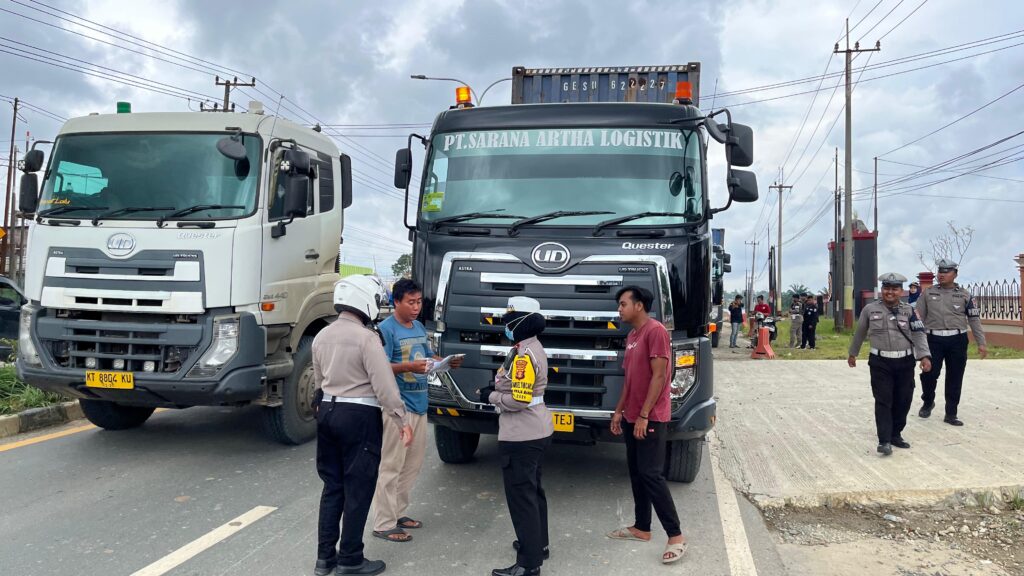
(423,140)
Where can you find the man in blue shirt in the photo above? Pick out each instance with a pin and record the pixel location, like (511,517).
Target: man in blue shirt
(410,354)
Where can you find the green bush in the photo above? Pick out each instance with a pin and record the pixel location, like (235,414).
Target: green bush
(16,396)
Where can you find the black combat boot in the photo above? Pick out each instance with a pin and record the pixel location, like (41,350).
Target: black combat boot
(516,570)
(885,449)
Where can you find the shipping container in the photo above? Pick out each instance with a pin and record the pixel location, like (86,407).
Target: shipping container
(603,84)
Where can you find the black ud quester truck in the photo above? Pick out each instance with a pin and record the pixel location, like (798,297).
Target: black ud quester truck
(594,179)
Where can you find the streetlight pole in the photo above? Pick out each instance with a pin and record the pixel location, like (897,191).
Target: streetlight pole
(480,100)
(423,77)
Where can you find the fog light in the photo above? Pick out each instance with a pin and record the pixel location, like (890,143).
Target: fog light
(149,366)
(91,363)
(119,364)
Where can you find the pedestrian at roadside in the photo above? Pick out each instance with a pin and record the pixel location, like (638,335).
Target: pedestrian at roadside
(796,316)
(897,338)
(914,293)
(641,415)
(947,310)
(735,319)
(408,350)
(351,369)
(525,428)
(810,323)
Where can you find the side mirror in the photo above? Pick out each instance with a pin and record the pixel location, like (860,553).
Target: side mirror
(742,186)
(727,268)
(727,258)
(403,168)
(296,162)
(231,147)
(28,193)
(346,181)
(296,195)
(741,145)
(33,161)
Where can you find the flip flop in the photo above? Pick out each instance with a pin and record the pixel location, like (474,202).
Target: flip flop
(624,534)
(409,523)
(674,553)
(387,535)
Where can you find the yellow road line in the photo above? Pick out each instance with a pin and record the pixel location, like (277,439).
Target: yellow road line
(45,437)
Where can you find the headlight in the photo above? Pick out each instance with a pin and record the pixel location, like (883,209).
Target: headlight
(684,375)
(26,347)
(222,349)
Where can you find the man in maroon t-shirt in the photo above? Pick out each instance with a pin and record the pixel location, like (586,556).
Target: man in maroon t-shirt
(646,408)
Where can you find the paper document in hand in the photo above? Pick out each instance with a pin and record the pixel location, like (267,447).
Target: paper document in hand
(443,365)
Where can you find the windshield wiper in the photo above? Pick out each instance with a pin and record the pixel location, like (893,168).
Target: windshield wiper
(129,210)
(514,228)
(64,209)
(637,216)
(196,208)
(470,216)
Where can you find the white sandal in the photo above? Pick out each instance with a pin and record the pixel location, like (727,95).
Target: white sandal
(676,551)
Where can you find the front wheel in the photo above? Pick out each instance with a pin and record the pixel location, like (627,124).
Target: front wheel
(111,416)
(293,422)
(682,461)
(455,447)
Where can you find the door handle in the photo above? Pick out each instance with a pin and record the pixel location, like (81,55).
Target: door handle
(312,255)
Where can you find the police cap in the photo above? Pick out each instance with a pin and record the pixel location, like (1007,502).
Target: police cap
(945,265)
(523,304)
(892,279)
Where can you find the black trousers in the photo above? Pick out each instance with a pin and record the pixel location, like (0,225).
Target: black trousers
(809,334)
(892,383)
(951,350)
(521,464)
(646,460)
(348,443)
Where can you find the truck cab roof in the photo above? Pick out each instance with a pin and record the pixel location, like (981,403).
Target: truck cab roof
(199,122)
(597,114)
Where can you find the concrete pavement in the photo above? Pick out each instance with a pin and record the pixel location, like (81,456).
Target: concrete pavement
(802,433)
(98,503)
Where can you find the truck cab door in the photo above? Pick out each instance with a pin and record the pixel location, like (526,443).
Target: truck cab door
(292,260)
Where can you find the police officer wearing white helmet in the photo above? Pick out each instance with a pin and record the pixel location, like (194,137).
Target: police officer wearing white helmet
(359,399)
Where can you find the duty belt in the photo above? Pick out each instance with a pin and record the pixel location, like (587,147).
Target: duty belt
(364,401)
(946,332)
(892,353)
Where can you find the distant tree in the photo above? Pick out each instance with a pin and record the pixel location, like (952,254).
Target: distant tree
(403,266)
(794,289)
(952,245)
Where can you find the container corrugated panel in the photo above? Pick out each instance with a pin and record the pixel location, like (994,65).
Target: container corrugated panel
(603,84)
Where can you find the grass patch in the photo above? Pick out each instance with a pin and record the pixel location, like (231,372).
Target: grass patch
(832,345)
(1017,502)
(16,396)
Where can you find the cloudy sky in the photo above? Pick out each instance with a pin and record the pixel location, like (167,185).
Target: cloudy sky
(347,64)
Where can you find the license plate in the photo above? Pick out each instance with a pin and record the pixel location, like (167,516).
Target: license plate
(119,380)
(564,422)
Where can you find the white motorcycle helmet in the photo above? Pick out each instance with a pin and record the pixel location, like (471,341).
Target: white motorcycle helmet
(363,295)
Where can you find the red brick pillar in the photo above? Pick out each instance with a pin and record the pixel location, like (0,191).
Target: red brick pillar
(926,279)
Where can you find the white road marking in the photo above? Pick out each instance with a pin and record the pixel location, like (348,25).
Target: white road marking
(204,542)
(737,547)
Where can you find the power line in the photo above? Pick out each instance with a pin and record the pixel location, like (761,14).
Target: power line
(882,19)
(947,170)
(944,126)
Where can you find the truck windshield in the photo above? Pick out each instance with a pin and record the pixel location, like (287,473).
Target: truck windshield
(153,174)
(619,171)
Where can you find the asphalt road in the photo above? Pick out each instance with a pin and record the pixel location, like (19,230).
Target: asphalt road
(98,503)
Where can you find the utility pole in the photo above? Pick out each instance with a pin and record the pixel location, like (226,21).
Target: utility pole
(10,188)
(778,280)
(848,183)
(874,195)
(228,85)
(837,293)
(753,270)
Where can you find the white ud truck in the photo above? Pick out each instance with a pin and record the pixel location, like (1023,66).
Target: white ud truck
(181,259)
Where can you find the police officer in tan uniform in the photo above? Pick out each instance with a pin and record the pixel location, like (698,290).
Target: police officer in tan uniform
(359,398)
(947,310)
(525,428)
(897,338)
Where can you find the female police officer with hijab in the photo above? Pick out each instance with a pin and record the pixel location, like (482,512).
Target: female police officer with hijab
(524,432)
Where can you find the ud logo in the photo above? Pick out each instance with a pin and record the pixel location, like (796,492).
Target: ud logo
(120,244)
(550,256)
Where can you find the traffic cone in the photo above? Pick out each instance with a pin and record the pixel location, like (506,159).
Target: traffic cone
(764,347)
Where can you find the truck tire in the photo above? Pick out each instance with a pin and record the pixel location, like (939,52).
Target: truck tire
(455,447)
(682,462)
(111,416)
(293,422)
